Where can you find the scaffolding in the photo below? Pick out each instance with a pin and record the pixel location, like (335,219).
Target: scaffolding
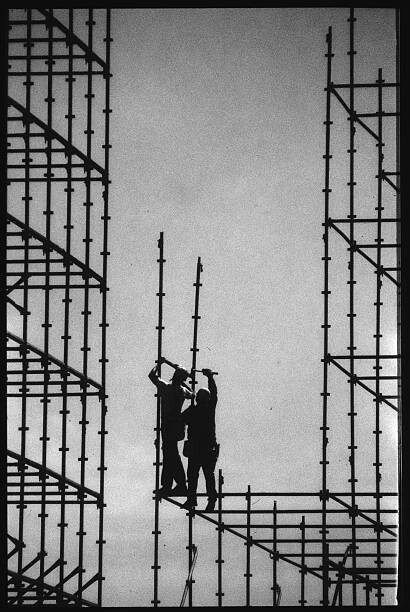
(57,245)
(339,545)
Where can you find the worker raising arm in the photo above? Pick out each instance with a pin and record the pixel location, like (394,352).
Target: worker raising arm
(173,394)
(201,447)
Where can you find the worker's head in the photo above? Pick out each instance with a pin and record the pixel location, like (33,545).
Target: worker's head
(180,375)
(202,397)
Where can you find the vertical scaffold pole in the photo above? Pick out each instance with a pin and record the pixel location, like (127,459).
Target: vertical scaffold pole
(190,548)
(302,600)
(220,529)
(326,569)
(367,589)
(248,545)
(398,264)
(340,582)
(351,282)
(378,303)
(105,253)
(194,350)
(325,394)
(66,301)
(28,83)
(274,556)
(45,400)
(160,327)
(3,424)
(86,311)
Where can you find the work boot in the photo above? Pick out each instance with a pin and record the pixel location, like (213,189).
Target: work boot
(163,492)
(190,503)
(211,504)
(179,490)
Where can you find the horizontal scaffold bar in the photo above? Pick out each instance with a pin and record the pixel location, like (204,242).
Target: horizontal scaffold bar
(306,525)
(320,541)
(303,511)
(58,502)
(357,85)
(56,73)
(372,357)
(364,220)
(56,56)
(43,286)
(63,393)
(295,494)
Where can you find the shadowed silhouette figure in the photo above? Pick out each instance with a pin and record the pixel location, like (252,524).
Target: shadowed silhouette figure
(201,447)
(173,394)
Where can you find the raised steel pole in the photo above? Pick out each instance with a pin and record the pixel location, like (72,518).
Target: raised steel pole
(160,327)
(351,282)
(325,393)
(194,349)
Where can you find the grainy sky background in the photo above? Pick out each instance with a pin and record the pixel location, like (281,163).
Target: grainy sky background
(218,138)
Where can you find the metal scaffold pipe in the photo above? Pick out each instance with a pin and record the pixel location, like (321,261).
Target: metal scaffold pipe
(160,327)
(194,349)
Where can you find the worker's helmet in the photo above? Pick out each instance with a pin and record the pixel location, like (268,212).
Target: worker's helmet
(203,396)
(180,374)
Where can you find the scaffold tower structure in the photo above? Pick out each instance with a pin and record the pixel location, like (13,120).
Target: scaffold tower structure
(58,124)
(338,545)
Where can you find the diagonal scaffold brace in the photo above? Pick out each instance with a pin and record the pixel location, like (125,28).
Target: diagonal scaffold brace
(189,579)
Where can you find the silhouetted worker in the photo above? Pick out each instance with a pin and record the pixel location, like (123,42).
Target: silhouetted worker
(173,394)
(202,449)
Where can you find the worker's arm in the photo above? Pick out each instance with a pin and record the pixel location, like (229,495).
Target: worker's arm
(153,375)
(173,365)
(185,415)
(188,393)
(211,384)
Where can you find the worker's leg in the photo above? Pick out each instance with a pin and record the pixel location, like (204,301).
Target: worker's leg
(167,463)
(174,468)
(208,467)
(179,472)
(193,473)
